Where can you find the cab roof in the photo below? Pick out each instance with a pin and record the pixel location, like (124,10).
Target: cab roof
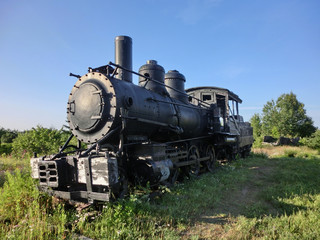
(232,96)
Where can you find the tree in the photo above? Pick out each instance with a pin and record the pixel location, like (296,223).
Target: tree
(293,120)
(256,125)
(270,118)
(2,131)
(285,117)
(8,136)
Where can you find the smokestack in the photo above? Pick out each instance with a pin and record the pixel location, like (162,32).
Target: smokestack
(123,57)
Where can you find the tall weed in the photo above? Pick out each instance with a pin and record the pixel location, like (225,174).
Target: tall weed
(127,219)
(25,213)
(10,163)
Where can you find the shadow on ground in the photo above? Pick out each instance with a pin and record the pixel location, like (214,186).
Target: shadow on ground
(263,194)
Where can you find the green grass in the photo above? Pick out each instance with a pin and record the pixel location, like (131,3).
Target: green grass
(260,197)
(10,163)
(25,213)
(293,193)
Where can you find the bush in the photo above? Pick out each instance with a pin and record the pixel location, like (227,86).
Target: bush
(313,141)
(5,149)
(40,140)
(258,142)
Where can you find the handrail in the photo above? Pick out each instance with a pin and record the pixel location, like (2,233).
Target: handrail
(150,79)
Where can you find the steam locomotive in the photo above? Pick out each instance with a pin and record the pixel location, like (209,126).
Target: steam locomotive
(137,134)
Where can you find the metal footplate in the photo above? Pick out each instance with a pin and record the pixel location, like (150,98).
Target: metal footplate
(79,195)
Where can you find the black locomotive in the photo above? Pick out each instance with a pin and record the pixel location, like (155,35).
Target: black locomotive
(150,133)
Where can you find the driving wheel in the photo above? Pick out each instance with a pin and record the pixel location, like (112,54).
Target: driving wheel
(212,161)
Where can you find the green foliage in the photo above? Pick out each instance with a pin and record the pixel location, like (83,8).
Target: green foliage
(8,136)
(129,219)
(256,124)
(25,213)
(9,163)
(313,141)
(285,117)
(270,117)
(257,142)
(40,140)
(293,120)
(5,149)
(2,131)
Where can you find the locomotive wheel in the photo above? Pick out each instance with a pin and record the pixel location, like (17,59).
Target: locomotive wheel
(193,155)
(212,161)
(246,152)
(221,156)
(173,177)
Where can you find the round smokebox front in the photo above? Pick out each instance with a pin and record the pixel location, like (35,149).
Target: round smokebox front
(91,107)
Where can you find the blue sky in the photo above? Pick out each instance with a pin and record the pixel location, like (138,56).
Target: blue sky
(257,49)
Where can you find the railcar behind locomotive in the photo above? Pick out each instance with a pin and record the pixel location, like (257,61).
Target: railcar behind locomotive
(138,134)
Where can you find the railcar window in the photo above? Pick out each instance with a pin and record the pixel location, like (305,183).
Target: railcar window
(234,109)
(206,97)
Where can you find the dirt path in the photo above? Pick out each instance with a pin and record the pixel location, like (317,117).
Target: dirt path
(215,223)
